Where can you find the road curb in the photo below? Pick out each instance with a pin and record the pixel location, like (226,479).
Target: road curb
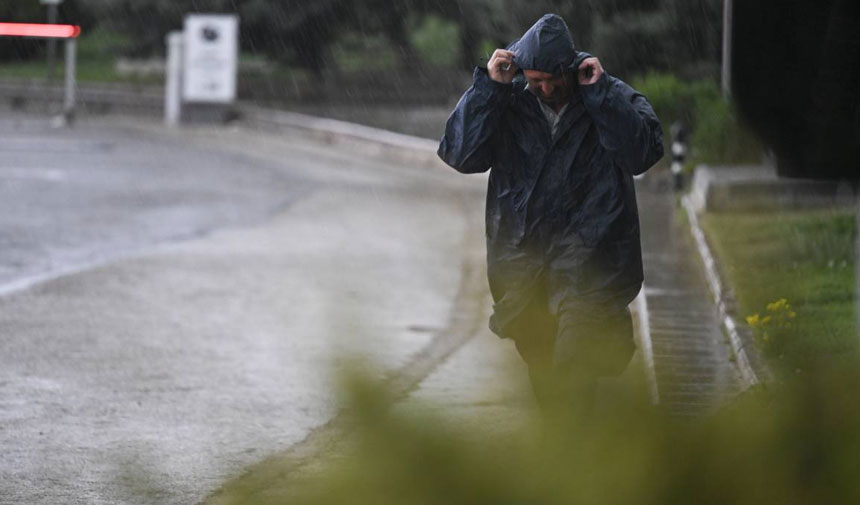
(103,99)
(643,337)
(748,375)
(368,140)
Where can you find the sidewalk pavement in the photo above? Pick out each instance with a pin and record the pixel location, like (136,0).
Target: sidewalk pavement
(693,363)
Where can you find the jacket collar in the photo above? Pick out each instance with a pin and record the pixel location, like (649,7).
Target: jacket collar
(529,104)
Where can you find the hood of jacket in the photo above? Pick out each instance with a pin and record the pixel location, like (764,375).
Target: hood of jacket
(546,47)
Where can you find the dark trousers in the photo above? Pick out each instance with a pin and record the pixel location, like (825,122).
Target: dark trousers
(567,352)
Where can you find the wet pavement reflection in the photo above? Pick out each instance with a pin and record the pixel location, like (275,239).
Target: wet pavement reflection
(692,361)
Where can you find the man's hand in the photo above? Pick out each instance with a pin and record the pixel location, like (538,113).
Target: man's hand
(501,66)
(589,71)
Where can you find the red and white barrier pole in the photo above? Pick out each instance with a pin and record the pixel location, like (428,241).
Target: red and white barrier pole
(39,30)
(53,31)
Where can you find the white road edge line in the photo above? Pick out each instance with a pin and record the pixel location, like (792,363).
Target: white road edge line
(98,261)
(643,318)
(748,375)
(32,280)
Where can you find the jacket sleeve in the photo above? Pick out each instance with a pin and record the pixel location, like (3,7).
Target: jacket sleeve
(625,122)
(466,143)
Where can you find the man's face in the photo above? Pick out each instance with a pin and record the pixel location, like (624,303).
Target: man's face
(552,89)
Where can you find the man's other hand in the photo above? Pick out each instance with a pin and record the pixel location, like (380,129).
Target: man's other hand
(589,71)
(501,66)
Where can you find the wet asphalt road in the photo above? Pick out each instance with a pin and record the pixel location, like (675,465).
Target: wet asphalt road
(175,305)
(71,198)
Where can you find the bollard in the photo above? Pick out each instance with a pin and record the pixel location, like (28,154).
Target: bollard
(679,154)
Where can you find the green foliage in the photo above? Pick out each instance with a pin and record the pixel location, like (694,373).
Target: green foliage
(97,52)
(436,40)
(672,98)
(630,35)
(354,52)
(718,136)
(792,444)
(486,48)
(805,257)
(102,44)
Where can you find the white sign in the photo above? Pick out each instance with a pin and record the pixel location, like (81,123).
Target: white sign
(211,51)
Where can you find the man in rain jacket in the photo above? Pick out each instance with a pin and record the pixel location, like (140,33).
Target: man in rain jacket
(562,140)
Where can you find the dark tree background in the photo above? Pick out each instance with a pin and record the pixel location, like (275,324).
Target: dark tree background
(631,36)
(797,82)
(26,11)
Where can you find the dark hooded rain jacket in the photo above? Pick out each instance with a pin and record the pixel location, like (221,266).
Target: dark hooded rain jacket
(561,210)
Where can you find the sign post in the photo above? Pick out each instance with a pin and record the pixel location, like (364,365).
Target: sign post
(52,32)
(71,70)
(53,6)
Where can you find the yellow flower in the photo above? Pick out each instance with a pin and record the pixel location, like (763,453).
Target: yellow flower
(792,315)
(765,320)
(782,303)
(753,320)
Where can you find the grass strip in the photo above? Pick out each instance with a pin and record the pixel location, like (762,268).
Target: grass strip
(793,277)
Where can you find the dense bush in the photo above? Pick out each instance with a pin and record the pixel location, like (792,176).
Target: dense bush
(672,99)
(436,40)
(719,137)
(788,444)
(717,134)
